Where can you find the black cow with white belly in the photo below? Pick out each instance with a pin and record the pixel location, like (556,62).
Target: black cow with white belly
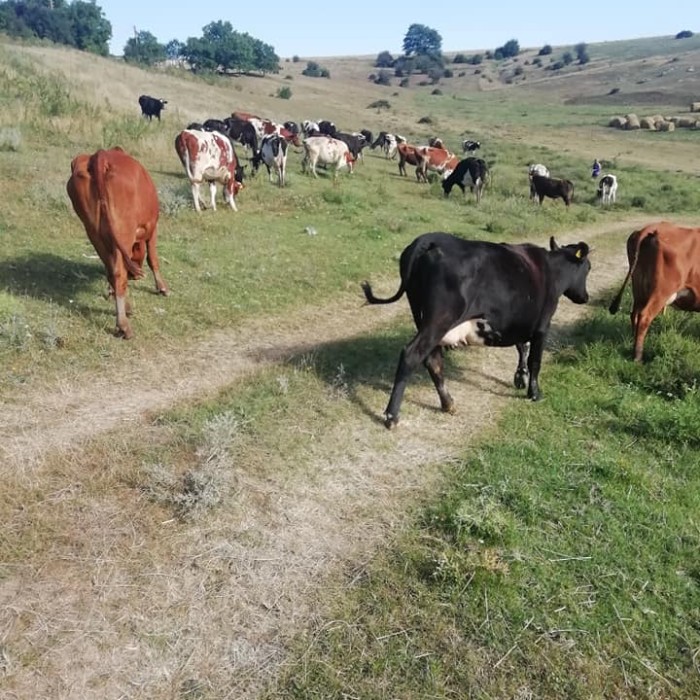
(481,293)
(151,106)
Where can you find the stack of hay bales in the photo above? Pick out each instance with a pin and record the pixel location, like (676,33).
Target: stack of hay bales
(617,122)
(632,122)
(684,122)
(695,106)
(647,123)
(666,126)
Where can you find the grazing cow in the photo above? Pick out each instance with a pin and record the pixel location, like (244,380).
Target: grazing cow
(151,106)
(292,127)
(436,159)
(536,169)
(324,150)
(551,187)
(116,200)
(368,135)
(208,156)
(607,189)
(243,132)
(469,145)
(470,172)
(219,125)
(664,264)
(273,152)
(436,142)
(480,293)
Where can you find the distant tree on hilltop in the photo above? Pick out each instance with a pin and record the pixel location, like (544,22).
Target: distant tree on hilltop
(420,40)
(144,48)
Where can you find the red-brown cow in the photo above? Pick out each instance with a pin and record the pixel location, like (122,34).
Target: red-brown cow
(116,200)
(664,264)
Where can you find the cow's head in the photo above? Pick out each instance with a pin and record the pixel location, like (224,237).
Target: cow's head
(574,270)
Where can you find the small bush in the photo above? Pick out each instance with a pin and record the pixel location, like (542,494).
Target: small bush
(545,50)
(447,73)
(289,77)
(638,202)
(379,105)
(284,93)
(404,82)
(295,59)
(425,120)
(383,78)
(436,91)
(10,138)
(614,91)
(685,34)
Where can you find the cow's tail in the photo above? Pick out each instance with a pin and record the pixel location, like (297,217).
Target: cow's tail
(104,215)
(371,299)
(615,303)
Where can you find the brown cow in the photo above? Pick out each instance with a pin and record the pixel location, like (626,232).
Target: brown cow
(117,202)
(424,158)
(664,264)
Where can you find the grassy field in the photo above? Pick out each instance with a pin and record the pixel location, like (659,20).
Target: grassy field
(245,527)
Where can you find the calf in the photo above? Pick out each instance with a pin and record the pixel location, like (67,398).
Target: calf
(470,172)
(535,169)
(115,198)
(208,156)
(273,152)
(151,106)
(664,265)
(607,189)
(551,187)
(480,293)
(325,150)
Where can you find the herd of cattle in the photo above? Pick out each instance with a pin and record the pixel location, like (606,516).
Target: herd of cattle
(460,292)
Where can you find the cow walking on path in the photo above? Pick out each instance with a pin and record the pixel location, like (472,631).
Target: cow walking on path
(480,293)
(116,200)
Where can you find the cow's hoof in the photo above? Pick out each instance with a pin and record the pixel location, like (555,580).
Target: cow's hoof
(164,292)
(519,380)
(449,407)
(124,333)
(535,397)
(390,422)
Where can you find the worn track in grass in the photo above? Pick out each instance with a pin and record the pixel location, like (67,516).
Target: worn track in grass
(230,595)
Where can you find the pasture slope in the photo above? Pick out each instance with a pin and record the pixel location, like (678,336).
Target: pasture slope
(73,610)
(106,591)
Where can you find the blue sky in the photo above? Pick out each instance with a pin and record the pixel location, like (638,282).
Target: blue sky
(365,27)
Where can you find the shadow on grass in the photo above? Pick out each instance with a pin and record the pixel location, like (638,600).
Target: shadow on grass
(49,277)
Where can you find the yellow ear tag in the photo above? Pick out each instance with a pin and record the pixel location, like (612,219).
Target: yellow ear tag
(578,253)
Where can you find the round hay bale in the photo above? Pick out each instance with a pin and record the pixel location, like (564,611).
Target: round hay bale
(686,122)
(647,123)
(695,106)
(666,126)
(658,121)
(674,119)
(632,122)
(617,122)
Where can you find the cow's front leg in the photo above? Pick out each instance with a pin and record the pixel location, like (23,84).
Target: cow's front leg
(534,362)
(521,373)
(434,363)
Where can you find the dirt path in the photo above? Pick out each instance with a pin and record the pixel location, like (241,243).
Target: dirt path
(232,593)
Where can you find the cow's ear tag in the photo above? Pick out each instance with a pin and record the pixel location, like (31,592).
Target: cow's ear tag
(579,253)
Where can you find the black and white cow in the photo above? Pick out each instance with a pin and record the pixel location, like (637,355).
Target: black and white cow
(470,172)
(388,143)
(151,106)
(481,293)
(469,145)
(536,169)
(273,153)
(607,189)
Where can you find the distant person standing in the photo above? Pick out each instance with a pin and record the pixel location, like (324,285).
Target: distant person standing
(595,169)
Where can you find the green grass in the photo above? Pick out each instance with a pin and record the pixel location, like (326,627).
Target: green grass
(560,561)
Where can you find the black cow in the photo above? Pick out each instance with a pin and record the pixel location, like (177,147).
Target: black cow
(476,292)
(291,127)
(327,128)
(242,131)
(355,142)
(551,187)
(216,125)
(470,172)
(151,106)
(195,126)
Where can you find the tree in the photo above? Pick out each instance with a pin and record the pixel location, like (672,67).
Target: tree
(384,60)
(91,29)
(685,34)
(174,49)
(508,50)
(545,50)
(582,53)
(420,39)
(567,58)
(220,48)
(144,48)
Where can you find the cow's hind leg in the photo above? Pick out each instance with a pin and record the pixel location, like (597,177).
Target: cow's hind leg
(534,362)
(119,284)
(521,372)
(154,264)
(434,363)
(641,321)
